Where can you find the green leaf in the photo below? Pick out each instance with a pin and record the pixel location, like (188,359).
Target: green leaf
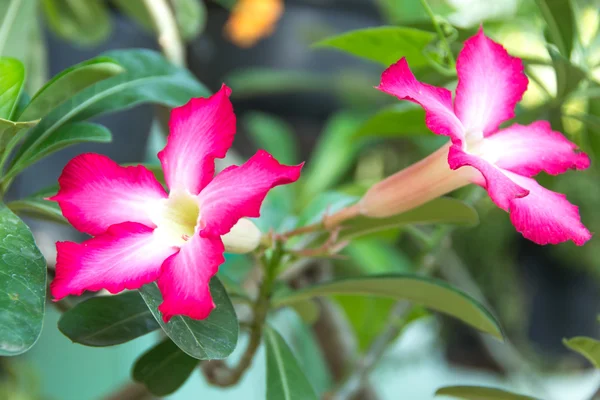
(568,75)
(137,11)
(372,256)
(560,24)
(10,135)
(108,320)
(274,135)
(587,347)
(66,135)
(212,338)
(69,82)
(479,393)
(443,210)
(82,22)
(22,286)
(325,203)
(163,368)
(430,293)
(259,81)
(368,316)
(285,378)
(12,78)
(399,120)
(36,206)
(333,155)
(190,16)
(148,78)
(385,45)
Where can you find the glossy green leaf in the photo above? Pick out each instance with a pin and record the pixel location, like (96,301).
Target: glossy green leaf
(67,83)
(399,120)
(163,368)
(148,78)
(560,24)
(430,293)
(285,378)
(66,135)
(333,155)
(479,393)
(82,22)
(443,210)
(274,135)
(212,338)
(22,286)
(385,45)
(108,320)
(190,16)
(12,78)
(587,347)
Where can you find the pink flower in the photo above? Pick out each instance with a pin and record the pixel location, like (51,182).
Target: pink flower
(503,161)
(143,234)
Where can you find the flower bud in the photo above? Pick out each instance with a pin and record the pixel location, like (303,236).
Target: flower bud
(244,237)
(414,186)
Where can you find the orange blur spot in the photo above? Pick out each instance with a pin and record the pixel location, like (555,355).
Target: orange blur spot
(252,20)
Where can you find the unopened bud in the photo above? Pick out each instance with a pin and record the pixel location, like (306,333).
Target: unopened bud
(414,186)
(244,237)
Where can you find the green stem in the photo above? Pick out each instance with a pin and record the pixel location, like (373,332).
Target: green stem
(227,376)
(439,31)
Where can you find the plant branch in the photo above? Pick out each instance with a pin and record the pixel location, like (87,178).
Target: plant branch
(439,31)
(169,38)
(218,373)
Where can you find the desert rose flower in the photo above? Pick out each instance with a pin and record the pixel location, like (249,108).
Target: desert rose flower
(503,161)
(143,234)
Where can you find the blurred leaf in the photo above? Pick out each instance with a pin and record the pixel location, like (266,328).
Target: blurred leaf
(10,134)
(560,24)
(213,338)
(587,347)
(285,378)
(69,82)
(148,78)
(430,293)
(325,203)
(373,256)
(592,123)
(443,210)
(274,135)
(333,154)
(368,316)
(37,207)
(23,286)
(259,81)
(307,310)
(163,368)
(399,120)
(82,22)
(190,16)
(479,393)
(12,78)
(108,320)
(568,75)
(137,11)
(385,45)
(64,136)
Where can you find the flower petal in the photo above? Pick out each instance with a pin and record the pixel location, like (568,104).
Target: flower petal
(399,81)
(184,279)
(200,131)
(95,193)
(528,150)
(126,256)
(500,188)
(239,191)
(546,217)
(490,84)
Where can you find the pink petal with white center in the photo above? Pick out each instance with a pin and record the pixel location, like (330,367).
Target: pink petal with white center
(399,81)
(200,131)
(185,277)
(239,192)
(95,193)
(126,256)
(528,150)
(546,217)
(490,84)
(500,188)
